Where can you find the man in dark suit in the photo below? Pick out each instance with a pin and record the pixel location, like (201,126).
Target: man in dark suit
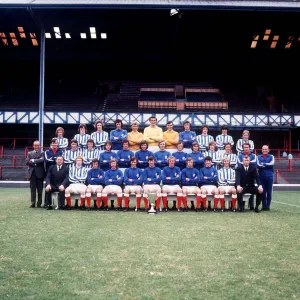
(36,173)
(56,181)
(246,177)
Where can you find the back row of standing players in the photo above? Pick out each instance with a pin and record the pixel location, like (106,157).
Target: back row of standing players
(122,145)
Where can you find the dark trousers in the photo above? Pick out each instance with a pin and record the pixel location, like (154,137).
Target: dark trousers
(249,190)
(61,196)
(36,185)
(267,184)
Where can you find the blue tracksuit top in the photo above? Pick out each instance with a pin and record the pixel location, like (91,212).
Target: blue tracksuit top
(154,174)
(190,136)
(142,157)
(126,155)
(180,159)
(252,156)
(135,174)
(198,159)
(120,134)
(192,174)
(115,175)
(95,177)
(50,157)
(161,158)
(173,173)
(265,165)
(211,174)
(106,155)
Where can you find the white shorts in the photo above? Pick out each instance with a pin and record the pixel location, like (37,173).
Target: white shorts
(131,189)
(77,188)
(191,189)
(226,188)
(171,189)
(112,189)
(152,188)
(209,188)
(95,187)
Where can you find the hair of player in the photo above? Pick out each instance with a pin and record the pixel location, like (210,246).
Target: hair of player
(143,143)
(82,125)
(97,122)
(59,129)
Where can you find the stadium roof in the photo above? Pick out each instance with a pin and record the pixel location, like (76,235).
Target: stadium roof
(217,4)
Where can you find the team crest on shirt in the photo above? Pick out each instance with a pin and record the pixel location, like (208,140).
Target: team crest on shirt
(146,157)
(212,173)
(137,176)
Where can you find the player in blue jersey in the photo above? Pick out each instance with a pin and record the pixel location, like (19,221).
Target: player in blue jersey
(82,136)
(171,177)
(133,179)
(113,182)
(224,138)
(187,137)
(208,181)
(99,136)
(152,180)
(190,177)
(118,135)
(106,156)
(95,181)
(180,156)
(124,155)
(197,156)
(162,155)
(226,180)
(265,164)
(142,155)
(77,179)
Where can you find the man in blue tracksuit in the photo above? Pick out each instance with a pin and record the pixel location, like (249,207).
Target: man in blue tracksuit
(265,164)
(118,135)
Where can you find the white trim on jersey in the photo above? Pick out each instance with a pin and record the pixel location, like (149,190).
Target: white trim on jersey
(70,155)
(232,158)
(89,155)
(215,156)
(62,143)
(241,142)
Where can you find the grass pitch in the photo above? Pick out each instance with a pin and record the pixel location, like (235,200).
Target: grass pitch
(116,255)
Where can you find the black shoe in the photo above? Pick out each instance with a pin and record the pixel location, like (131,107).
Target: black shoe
(44,206)
(67,207)
(82,207)
(173,208)
(251,208)
(32,205)
(49,207)
(257,210)
(125,209)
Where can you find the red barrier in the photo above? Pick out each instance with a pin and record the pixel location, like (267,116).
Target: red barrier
(14,161)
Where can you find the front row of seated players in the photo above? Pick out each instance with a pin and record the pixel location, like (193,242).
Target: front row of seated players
(142,182)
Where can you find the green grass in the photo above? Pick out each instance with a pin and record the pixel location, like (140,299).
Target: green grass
(116,255)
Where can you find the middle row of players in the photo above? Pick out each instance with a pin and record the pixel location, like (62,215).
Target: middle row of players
(124,155)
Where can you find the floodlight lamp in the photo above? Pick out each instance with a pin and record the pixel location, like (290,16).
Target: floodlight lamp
(174,12)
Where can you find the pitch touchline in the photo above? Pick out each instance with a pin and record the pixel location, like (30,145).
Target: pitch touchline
(286,204)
